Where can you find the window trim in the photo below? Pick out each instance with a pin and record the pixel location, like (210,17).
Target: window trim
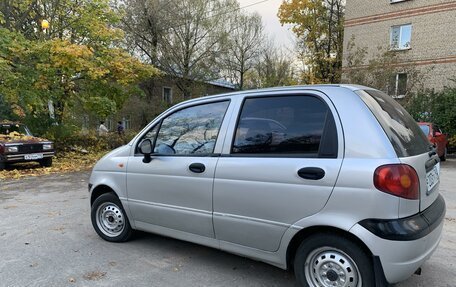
(400,37)
(159,124)
(284,155)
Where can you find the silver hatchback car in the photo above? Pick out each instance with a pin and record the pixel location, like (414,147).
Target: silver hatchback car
(335,181)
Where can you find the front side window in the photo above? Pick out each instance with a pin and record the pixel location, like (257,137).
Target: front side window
(401,37)
(282,125)
(191,131)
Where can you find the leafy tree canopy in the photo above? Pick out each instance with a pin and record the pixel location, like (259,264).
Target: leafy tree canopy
(76,61)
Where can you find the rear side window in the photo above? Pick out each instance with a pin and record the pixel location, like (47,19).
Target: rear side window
(403,132)
(293,125)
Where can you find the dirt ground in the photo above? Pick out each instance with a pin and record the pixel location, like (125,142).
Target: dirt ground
(46,239)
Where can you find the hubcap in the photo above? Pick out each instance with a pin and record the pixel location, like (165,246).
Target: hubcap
(110,219)
(330,267)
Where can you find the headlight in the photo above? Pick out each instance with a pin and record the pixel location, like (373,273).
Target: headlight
(47,146)
(11,149)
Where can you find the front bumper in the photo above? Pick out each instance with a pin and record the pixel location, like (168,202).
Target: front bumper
(403,245)
(13,158)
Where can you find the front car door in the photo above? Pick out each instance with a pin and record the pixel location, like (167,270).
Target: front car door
(174,190)
(280,162)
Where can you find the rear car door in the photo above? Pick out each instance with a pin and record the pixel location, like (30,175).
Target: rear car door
(280,162)
(174,190)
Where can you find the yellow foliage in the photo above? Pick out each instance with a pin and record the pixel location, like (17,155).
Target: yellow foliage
(68,162)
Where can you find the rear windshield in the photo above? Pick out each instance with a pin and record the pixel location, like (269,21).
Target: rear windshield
(425,129)
(402,130)
(6,129)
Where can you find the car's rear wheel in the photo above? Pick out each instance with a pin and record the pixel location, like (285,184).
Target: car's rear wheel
(444,156)
(327,260)
(109,219)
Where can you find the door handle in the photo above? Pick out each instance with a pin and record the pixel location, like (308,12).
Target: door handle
(313,173)
(197,167)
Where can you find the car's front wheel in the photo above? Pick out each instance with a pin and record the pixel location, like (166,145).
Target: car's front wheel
(327,260)
(46,162)
(109,219)
(2,165)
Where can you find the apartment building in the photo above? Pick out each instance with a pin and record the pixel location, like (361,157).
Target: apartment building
(421,32)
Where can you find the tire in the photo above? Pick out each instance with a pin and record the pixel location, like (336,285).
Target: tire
(2,165)
(444,156)
(47,162)
(109,219)
(331,260)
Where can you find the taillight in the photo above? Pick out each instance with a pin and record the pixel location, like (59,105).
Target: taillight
(2,148)
(398,179)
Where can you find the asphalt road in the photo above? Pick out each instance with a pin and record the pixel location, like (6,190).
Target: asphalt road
(46,239)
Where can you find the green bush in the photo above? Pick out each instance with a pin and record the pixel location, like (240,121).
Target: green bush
(436,107)
(452,144)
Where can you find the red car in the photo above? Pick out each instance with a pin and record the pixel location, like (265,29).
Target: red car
(436,137)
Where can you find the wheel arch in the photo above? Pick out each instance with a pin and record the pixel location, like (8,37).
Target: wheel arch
(100,190)
(304,233)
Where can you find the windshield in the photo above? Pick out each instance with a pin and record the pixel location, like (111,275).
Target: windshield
(401,129)
(7,129)
(425,129)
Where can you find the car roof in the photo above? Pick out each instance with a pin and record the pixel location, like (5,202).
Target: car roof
(319,87)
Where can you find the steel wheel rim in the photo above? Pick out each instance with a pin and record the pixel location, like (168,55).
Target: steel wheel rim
(331,267)
(110,219)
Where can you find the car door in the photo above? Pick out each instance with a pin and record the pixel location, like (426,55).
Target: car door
(280,162)
(440,140)
(174,190)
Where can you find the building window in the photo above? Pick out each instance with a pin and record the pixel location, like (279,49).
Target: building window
(167,95)
(398,86)
(126,122)
(401,37)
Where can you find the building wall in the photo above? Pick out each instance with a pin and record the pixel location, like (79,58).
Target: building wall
(433,40)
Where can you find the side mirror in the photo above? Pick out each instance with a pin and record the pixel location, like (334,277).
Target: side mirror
(145,148)
(437,134)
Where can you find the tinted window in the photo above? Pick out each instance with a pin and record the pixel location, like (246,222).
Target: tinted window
(191,131)
(401,129)
(281,125)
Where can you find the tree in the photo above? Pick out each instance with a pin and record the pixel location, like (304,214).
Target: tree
(380,71)
(319,27)
(244,46)
(184,38)
(73,62)
(273,68)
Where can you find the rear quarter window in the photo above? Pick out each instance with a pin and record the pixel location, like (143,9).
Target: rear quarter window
(403,132)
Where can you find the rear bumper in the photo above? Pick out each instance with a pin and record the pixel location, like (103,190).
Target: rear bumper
(402,245)
(13,158)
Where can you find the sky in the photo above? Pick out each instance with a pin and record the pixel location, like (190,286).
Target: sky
(268,10)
